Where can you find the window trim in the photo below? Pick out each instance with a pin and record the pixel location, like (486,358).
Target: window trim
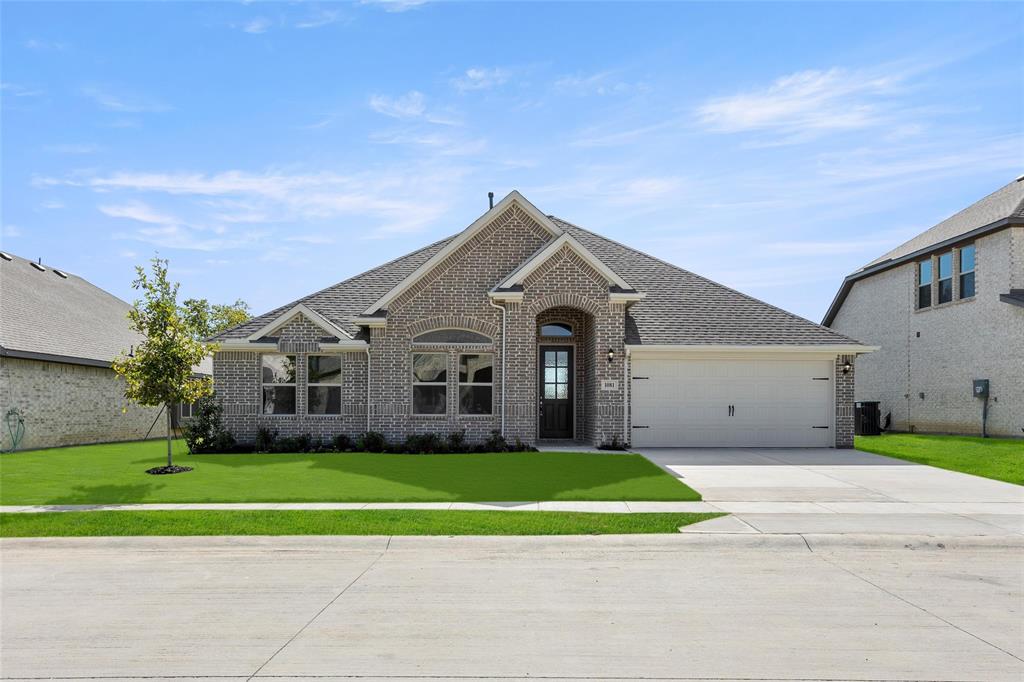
(461,383)
(181,410)
(939,279)
(961,272)
(414,383)
(339,384)
(488,342)
(264,385)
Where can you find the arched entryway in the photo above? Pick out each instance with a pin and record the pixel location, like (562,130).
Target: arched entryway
(565,348)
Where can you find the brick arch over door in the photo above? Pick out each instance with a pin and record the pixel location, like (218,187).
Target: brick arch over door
(564,300)
(452,322)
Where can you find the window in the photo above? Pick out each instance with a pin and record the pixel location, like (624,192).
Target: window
(476,383)
(186,410)
(967,271)
(323,390)
(278,384)
(429,383)
(556,329)
(946,277)
(924,284)
(556,375)
(451,336)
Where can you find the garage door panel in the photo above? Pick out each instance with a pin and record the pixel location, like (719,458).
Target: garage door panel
(685,402)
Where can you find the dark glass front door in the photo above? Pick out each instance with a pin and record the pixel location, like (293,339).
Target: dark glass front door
(556,392)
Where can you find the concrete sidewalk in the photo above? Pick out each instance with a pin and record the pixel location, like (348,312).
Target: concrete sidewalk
(672,607)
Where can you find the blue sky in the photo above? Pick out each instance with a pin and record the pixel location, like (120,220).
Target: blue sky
(270,150)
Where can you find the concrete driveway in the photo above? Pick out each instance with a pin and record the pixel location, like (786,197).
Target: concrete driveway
(778,490)
(669,607)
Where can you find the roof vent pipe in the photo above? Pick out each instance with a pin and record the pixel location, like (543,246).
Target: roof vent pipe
(490,199)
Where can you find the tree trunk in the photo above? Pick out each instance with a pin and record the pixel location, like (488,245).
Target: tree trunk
(168,408)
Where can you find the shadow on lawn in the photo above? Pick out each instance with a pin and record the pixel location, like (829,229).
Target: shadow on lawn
(104,494)
(466,478)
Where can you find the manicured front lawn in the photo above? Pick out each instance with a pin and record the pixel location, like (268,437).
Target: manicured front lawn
(377,522)
(115,473)
(998,458)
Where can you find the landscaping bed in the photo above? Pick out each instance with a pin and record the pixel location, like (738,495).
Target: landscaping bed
(375,522)
(1001,459)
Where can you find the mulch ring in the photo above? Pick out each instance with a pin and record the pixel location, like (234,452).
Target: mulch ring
(173,469)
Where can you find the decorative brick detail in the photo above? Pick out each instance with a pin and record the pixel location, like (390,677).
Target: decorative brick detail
(485,327)
(844,401)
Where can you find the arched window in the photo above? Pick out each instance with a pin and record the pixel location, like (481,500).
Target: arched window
(443,336)
(556,329)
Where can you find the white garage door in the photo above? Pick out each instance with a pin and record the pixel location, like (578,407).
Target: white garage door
(732,403)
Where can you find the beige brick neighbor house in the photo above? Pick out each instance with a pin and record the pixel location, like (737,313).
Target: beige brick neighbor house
(528,325)
(946,309)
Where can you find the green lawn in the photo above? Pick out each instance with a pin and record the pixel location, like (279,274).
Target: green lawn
(115,473)
(998,458)
(382,522)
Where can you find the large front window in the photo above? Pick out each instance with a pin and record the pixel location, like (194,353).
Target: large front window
(323,391)
(946,277)
(278,384)
(429,383)
(476,383)
(967,271)
(924,284)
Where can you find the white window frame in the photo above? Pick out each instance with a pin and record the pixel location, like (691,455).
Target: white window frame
(313,384)
(570,325)
(294,384)
(961,272)
(181,410)
(939,279)
(462,383)
(414,383)
(920,285)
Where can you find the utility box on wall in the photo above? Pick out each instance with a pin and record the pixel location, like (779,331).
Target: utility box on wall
(981,388)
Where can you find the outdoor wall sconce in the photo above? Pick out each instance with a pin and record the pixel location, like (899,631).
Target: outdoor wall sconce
(611,354)
(847,367)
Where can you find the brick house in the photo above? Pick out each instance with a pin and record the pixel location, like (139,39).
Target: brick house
(534,327)
(946,308)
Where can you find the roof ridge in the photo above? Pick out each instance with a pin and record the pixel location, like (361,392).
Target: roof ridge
(307,297)
(702,278)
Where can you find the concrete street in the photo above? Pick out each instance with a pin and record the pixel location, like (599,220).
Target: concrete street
(720,606)
(788,490)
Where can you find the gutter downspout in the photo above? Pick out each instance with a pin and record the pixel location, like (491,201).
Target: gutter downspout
(504,311)
(625,399)
(368,384)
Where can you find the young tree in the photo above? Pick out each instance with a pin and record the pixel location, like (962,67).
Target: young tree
(159,371)
(214,318)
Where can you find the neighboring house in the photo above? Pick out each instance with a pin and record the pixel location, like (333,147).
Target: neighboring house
(946,308)
(58,336)
(528,325)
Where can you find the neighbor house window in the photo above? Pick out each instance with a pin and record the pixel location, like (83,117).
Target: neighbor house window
(924,284)
(946,277)
(186,410)
(967,271)
(323,390)
(476,383)
(278,384)
(556,329)
(429,383)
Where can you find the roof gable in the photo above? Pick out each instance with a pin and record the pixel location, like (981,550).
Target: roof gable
(304,310)
(520,274)
(512,198)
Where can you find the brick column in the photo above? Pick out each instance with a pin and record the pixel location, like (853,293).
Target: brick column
(844,402)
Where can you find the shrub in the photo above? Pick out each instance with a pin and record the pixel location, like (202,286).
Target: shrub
(496,442)
(265,438)
(205,431)
(427,443)
(457,442)
(613,444)
(342,443)
(372,441)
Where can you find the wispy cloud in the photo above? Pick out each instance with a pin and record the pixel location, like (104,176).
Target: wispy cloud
(441,143)
(601,83)
(480,79)
(395,5)
(15,90)
(11,231)
(311,239)
(256,25)
(832,100)
(322,17)
(139,212)
(410,105)
(45,45)
(122,102)
(82,148)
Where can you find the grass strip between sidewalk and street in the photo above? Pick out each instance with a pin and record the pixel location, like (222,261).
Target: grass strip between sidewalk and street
(359,522)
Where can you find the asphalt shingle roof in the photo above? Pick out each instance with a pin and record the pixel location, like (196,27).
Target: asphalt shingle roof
(42,312)
(680,307)
(1005,202)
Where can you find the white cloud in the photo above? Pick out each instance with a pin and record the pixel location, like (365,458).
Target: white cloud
(480,79)
(320,18)
(11,231)
(831,100)
(310,239)
(444,144)
(138,211)
(125,103)
(410,105)
(15,90)
(43,45)
(52,205)
(602,83)
(256,25)
(395,5)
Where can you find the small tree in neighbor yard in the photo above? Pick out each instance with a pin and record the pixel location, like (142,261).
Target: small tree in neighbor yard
(159,371)
(213,318)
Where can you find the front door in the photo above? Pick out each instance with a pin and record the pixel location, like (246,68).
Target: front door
(556,392)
